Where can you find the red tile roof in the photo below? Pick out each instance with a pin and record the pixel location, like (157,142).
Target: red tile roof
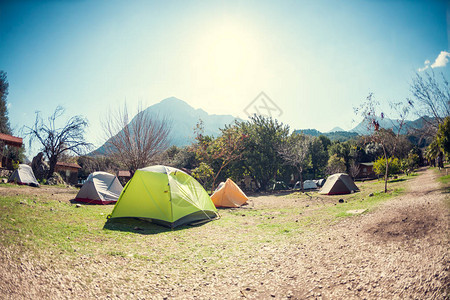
(70,165)
(11,140)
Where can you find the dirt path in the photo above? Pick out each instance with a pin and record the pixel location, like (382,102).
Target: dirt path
(398,251)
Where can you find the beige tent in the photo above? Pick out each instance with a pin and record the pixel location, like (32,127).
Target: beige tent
(339,183)
(24,175)
(228,194)
(100,188)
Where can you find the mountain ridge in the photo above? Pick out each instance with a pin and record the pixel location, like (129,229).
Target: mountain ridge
(184,119)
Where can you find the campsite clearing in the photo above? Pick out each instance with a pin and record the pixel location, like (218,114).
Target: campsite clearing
(283,245)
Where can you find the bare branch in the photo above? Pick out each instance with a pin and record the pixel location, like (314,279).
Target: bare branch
(138,143)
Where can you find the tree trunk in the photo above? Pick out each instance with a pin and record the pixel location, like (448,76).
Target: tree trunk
(52,165)
(386,169)
(300,173)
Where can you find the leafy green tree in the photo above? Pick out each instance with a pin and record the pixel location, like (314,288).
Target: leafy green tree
(222,151)
(341,150)
(326,142)
(335,164)
(319,157)
(432,152)
(379,166)
(4,121)
(443,136)
(263,137)
(410,163)
(204,174)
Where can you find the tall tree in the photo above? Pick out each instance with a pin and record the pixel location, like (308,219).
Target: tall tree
(260,157)
(319,156)
(388,140)
(431,98)
(221,151)
(55,141)
(295,152)
(4,121)
(137,143)
(443,135)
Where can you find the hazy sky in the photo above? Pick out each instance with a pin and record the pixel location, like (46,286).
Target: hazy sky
(315,59)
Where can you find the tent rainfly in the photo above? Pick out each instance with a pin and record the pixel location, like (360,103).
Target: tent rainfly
(100,188)
(24,175)
(165,196)
(339,183)
(228,194)
(309,184)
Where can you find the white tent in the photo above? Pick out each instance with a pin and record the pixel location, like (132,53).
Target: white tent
(319,182)
(307,185)
(24,175)
(100,188)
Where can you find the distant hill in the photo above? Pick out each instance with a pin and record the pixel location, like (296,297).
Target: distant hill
(387,123)
(336,129)
(184,118)
(341,136)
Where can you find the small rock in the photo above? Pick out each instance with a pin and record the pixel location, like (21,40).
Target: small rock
(243,215)
(341,200)
(52,209)
(78,205)
(307,205)
(371,195)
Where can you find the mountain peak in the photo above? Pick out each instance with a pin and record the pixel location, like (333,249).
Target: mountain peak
(172,100)
(337,128)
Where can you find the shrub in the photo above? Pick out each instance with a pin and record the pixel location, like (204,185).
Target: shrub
(379,166)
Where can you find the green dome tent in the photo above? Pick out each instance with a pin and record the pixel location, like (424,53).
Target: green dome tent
(166,196)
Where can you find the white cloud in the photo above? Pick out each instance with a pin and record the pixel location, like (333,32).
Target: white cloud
(427,65)
(423,69)
(441,60)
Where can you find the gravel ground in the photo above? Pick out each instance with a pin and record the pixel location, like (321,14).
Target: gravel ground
(398,251)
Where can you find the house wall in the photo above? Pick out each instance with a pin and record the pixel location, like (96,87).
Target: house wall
(70,175)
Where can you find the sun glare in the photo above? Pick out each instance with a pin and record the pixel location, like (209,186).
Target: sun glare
(226,53)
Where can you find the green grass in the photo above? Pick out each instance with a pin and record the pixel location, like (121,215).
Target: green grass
(445,179)
(45,227)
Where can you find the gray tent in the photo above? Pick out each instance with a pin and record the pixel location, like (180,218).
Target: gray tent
(100,188)
(24,175)
(339,183)
(307,185)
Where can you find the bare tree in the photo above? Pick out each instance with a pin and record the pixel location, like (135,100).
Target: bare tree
(56,141)
(137,143)
(295,152)
(354,169)
(431,98)
(384,137)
